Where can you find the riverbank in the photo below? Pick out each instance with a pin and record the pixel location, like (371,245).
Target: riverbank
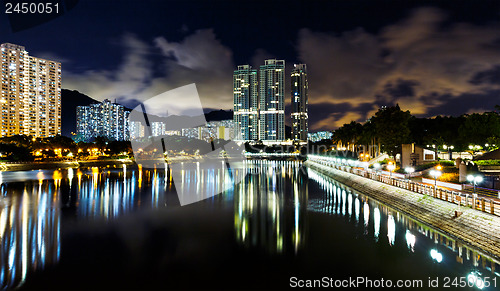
(26,166)
(478,229)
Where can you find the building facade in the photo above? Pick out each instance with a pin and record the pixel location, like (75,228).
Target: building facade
(136,130)
(105,119)
(223,129)
(319,136)
(272,102)
(158,128)
(246,103)
(299,100)
(30,94)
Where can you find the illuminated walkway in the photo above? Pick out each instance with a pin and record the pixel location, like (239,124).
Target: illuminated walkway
(481,230)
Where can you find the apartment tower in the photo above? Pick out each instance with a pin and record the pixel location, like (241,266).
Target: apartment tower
(30,98)
(246,103)
(272,103)
(299,103)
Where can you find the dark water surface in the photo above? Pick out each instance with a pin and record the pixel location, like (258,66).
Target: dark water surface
(123,228)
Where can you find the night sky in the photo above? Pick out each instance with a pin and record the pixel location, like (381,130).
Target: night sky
(430,57)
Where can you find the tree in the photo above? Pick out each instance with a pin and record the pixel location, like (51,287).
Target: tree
(391,125)
(348,134)
(477,128)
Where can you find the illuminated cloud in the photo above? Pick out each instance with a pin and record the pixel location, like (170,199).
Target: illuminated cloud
(200,58)
(424,65)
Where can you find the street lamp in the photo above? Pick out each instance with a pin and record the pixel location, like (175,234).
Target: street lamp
(391,168)
(436,174)
(474,181)
(409,170)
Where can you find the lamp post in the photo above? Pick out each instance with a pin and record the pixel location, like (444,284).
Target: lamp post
(409,170)
(391,168)
(436,173)
(474,181)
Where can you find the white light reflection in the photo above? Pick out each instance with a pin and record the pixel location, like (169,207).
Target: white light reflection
(349,205)
(475,279)
(436,256)
(366,212)
(391,229)
(410,240)
(356,208)
(376,222)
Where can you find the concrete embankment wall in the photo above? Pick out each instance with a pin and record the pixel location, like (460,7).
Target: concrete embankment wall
(478,229)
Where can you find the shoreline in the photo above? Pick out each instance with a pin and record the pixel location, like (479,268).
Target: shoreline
(27,166)
(477,229)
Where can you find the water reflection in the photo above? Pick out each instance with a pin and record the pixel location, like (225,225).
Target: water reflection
(29,231)
(399,229)
(261,201)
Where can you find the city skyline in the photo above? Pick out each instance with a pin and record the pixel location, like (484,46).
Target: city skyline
(432,57)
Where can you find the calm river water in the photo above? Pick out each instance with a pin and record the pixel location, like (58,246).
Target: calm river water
(122,228)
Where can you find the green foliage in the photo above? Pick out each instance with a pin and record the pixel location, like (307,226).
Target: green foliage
(391,125)
(487,162)
(349,133)
(477,128)
(433,164)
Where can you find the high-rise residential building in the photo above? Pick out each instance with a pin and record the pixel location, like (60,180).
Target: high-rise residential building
(158,128)
(105,119)
(299,103)
(136,130)
(30,100)
(320,135)
(246,103)
(272,103)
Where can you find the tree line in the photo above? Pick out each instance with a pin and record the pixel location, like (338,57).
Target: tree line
(391,127)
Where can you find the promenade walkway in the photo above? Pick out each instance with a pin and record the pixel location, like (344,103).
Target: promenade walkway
(485,204)
(477,228)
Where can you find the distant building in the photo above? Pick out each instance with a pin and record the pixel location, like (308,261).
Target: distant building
(30,101)
(246,103)
(212,130)
(105,119)
(299,103)
(136,130)
(320,135)
(272,102)
(413,155)
(158,128)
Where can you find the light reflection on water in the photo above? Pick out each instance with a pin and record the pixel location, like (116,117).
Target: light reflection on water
(259,206)
(271,208)
(399,228)
(29,231)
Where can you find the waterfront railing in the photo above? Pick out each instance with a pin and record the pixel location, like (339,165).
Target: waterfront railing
(473,201)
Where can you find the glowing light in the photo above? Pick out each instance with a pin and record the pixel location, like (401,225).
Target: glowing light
(376,224)
(474,279)
(436,256)
(391,229)
(410,240)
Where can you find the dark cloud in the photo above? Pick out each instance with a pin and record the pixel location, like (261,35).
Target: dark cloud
(400,88)
(466,103)
(424,63)
(491,76)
